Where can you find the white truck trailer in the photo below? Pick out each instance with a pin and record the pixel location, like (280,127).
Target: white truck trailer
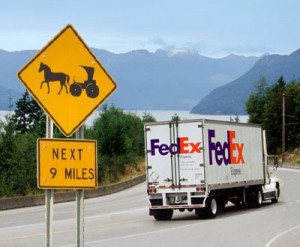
(202,165)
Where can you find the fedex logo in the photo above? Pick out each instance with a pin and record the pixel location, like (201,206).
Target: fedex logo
(183,146)
(229,152)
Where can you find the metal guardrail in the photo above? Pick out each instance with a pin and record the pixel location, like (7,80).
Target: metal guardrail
(37,200)
(290,165)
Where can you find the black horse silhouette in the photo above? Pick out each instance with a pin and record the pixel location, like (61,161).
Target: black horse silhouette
(50,76)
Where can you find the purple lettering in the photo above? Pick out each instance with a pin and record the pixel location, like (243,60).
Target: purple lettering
(211,145)
(154,146)
(224,153)
(163,149)
(181,147)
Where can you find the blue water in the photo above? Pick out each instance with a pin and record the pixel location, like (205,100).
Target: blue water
(167,115)
(160,116)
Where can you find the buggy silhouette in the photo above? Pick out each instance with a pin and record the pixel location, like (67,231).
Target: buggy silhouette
(89,85)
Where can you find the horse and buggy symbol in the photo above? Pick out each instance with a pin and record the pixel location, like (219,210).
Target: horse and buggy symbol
(76,88)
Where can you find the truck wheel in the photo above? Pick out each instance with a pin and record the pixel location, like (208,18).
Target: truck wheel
(259,198)
(221,203)
(200,213)
(256,198)
(277,193)
(163,214)
(211,208)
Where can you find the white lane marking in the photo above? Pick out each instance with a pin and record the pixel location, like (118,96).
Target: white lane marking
(41,225)
(126,212)
(288,169)
(144,233)
(281,234)
(10,228)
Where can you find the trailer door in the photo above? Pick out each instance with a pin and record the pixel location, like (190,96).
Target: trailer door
(190,158)
(174,153)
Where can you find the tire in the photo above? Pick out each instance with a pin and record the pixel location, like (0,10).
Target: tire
(75,89)
(163,214)
(211,209)
(259,198)
(92,91)
(277,193)
(221,204)
(201,213)
(255,198)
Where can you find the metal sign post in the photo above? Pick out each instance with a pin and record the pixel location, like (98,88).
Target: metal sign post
(80,204)
(49,195)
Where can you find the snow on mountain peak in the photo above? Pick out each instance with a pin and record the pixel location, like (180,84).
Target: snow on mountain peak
(181,51)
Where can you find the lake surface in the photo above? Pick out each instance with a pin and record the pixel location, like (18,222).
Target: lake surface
(159,116)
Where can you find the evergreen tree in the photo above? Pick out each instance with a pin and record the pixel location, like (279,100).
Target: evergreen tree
(264,107)
(272,115)
(175,117)
(292,114)
(29,117)
(148,118)
(256,102)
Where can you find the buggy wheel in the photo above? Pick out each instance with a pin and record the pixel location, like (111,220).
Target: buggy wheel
(75,89)
(92,90)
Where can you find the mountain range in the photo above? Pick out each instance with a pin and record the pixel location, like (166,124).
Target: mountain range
(170,80)
(231,98)
(161,80)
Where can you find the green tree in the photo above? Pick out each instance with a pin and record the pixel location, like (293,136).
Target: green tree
(256,102)
(272,115)
(18,161)
(264,107)
(120,141)
(7,149)
(235,119)
(292,114)
(148,118)
(18,135)
(175,117)
(28,116)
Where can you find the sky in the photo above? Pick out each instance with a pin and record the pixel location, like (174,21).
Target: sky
(214,28)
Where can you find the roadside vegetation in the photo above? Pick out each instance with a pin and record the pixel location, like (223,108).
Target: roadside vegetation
(119,135)
(265,107)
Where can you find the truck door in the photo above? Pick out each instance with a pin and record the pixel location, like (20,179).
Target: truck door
(190,159)
(174,153)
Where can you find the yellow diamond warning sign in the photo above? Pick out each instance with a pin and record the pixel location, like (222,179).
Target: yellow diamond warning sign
(67,80)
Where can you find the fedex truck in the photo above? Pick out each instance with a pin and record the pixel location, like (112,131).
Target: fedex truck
(201,165)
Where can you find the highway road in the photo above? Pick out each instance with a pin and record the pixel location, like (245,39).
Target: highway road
(122,219)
